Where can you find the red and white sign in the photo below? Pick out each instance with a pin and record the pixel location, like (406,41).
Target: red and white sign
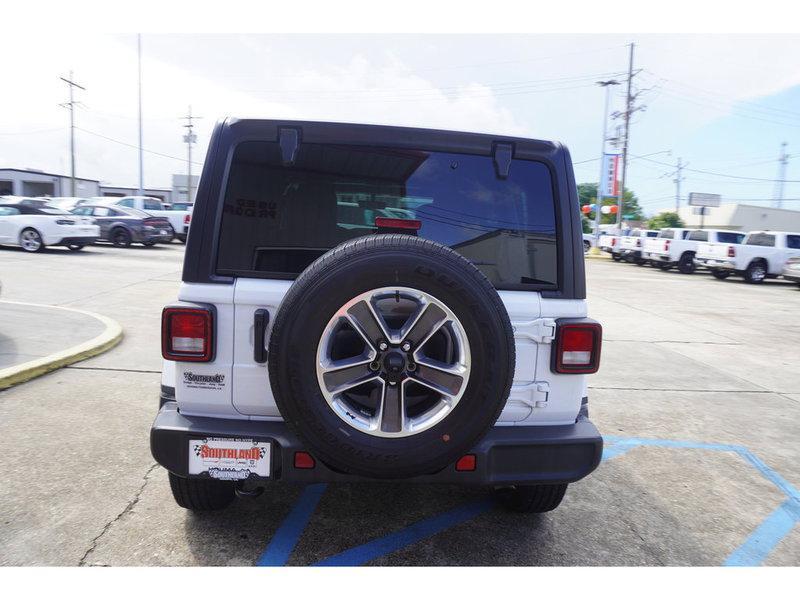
(610,183)
(228,458)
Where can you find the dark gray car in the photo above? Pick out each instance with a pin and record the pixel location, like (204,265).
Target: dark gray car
(124,226)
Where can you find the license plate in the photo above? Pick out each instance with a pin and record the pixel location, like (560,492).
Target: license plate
(229,458)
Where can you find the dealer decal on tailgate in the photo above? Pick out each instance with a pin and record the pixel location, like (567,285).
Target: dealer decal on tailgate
(229,458)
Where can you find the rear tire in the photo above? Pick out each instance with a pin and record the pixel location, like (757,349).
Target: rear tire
(686,264)
(202,494)
(616,257)
(720,274)
(532,498)
(121,238)
(756,272)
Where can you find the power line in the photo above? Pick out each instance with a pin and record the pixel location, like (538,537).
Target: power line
(722,174)
(134,146)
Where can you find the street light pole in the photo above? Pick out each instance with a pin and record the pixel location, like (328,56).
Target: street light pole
(607,85)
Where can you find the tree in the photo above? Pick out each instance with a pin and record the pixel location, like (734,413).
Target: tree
(631,211)
(664,220)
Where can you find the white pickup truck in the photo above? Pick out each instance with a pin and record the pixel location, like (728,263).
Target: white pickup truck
(175,213)
(676,247)
(610,242)
(762,255)
(630,246)
(713,254)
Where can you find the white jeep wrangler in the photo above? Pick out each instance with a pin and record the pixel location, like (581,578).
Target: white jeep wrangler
(363,302)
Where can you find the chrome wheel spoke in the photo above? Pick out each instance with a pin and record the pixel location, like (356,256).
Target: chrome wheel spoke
(392,410)
(428,323)
(445,379)
(344,375)
(362,316)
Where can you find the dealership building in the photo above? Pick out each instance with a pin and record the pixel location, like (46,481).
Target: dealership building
(742,217)
(32,182)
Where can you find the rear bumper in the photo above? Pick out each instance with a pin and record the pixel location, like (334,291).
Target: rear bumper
(85,240)
(657,256)
(713,263)
(505,456)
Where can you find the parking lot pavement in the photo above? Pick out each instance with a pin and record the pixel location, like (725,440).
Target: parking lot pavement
(697,397)
(30,331)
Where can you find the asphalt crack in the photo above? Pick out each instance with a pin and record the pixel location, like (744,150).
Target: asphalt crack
(134,501)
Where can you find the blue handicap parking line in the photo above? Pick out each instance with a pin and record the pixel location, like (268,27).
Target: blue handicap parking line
(405,537)
(285,539)
(755,549)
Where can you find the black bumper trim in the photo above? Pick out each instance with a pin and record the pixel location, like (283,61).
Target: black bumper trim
(87,240)
(505,456)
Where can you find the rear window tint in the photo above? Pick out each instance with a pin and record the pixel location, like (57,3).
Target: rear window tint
(793,242)
(652,234)
(698,235)
(667,234)
(277,219)
(729,237)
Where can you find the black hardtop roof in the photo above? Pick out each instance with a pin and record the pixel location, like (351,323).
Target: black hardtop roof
(393,135)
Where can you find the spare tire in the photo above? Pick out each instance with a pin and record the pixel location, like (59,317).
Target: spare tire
(391,356)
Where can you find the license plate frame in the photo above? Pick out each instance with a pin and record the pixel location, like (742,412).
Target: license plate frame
(230,459)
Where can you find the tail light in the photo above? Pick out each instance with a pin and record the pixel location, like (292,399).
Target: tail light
(638,243)
(187,334)
(666,245)
(390,223)
(186,219)
(613,242)
(577,347)
(731,252)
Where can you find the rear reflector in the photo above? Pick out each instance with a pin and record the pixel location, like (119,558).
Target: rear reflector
(577,348)
(303,460)
(187,334)
(466,463)
(389,223)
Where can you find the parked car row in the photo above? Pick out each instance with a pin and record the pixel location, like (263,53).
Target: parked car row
(754,256)
(34,223)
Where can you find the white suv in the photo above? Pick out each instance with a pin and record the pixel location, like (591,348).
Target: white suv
(363,302)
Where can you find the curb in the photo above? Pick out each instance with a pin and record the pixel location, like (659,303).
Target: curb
(34,368)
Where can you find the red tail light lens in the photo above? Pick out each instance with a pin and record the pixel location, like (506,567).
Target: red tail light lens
(577,347)
(186,219)
(187,334)
(666,245)
(638,243)
(731,251)
(613,242)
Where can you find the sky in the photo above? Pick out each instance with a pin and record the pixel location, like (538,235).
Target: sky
(721,103)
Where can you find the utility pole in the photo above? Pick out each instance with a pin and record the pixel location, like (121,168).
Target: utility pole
(607,85)
(629,110)
(190,138)
(677,181)
(783,162)
(71,105)
(141,151)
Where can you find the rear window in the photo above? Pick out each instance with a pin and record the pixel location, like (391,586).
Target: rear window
(652,234)
(667,234)
(793,242)
(277,219)
(760,239)
(698,235)
(730,237)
